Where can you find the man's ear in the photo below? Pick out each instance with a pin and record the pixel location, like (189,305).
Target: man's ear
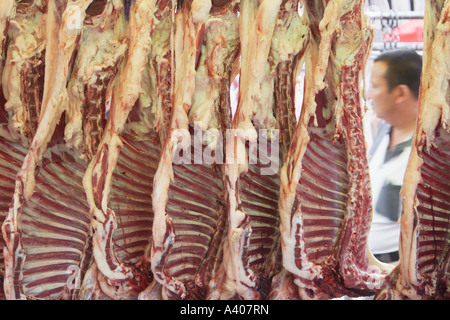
(402,93)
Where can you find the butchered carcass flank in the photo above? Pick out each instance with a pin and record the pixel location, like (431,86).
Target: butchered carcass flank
(263,124)
(325,197)
(188,189)
(47,230)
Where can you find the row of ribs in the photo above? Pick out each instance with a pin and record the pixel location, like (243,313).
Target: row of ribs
(125,173)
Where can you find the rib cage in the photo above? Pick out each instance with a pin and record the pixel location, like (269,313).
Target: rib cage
(93,205)
(55,230)
(257,195)
(131,198)
(195,223)
(322,203)
(433,236)
(11,155)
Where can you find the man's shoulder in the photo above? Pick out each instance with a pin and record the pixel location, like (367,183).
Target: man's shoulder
(383,129)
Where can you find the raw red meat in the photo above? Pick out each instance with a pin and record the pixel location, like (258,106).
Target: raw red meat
(126,175)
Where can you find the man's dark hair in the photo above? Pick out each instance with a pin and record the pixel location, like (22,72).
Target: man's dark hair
(404,67)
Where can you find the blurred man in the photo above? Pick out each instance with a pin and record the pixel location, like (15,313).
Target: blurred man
(394,91)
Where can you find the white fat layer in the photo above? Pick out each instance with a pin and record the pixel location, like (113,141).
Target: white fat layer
(129,84)
(435,83)
(6,8)
(98,50)
(200,10)
(6,11)
(150,100)
(288,41)
(27,36)
(221,39)
(188,30)
(257,26)
(348,50)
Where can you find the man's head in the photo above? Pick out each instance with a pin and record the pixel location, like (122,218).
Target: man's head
(394,84)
